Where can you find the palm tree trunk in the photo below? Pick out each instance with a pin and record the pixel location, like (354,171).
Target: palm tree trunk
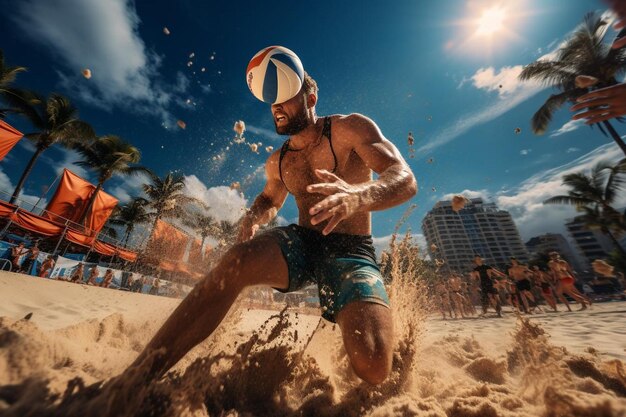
(92,199)
(618,247)
(616,137)
(129,230)
(25,174)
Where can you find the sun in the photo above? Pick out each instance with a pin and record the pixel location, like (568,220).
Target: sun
(491,21)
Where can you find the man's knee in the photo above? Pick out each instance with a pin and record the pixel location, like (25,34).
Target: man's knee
(372,365)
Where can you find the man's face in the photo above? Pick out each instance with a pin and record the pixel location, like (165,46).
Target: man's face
(478,260)
(290,117)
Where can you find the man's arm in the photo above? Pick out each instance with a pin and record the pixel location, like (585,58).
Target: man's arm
(266,204)
(395,184)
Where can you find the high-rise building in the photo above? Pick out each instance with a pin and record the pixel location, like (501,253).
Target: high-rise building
(478,229)
(592,244)
(546,243)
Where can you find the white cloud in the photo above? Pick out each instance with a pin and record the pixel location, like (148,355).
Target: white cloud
(525,152)
(570,150)
(513,95)
(526,201)
(468,194)
(102,36)
(224,202)
(505,80)
(26,201)
(129,188)
(570,126)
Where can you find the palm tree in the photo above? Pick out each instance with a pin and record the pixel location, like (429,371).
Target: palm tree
(166,196)
(131,214)
(57,122)
(14,97)
(595,195)
(108,155)
(203,224)
(584,53)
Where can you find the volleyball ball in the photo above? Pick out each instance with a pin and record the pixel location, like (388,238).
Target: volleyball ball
(275,74)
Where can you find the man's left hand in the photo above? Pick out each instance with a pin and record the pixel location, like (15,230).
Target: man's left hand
(342,202)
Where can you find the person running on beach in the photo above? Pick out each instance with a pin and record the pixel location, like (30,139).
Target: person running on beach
(16,254)
(520,273)
(456,293)
(93,275)
(564,276)
(541,279)
(484,274)
(465,292)
(441,289)
(46,266)
(78,274)
(327,165)
(31,258)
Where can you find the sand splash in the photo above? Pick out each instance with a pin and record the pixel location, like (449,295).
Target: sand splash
(277,371)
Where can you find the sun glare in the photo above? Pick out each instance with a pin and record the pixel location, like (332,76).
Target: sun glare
(491,21)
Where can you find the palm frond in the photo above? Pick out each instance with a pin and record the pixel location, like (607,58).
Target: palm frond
(547,72)
(569,200)
(542,118)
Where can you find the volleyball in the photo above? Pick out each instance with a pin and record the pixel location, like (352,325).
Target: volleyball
(275,75)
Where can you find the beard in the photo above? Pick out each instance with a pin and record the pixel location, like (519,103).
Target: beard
(295,125)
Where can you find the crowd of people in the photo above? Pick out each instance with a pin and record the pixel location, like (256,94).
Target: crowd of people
(24,260)
(525,289)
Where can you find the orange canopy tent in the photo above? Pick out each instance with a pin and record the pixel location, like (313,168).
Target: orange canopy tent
(9,136)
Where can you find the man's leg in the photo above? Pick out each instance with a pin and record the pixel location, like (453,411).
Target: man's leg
(367,331)
(257,262)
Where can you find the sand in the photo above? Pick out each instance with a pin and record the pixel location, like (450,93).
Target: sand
(554,364)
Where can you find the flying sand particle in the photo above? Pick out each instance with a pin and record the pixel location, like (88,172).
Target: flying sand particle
(181,124)
(166,31)
(86,73)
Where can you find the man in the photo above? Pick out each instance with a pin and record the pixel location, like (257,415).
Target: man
(326,164)
(488,294)
(16,254)
(106,280)
(46,267)
(441,290)
(31,259)
(78,274)
(541,279)
(93,275)
(564,277)
(520,274)
(456,293)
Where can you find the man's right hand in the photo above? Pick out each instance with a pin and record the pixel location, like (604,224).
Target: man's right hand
(247,230)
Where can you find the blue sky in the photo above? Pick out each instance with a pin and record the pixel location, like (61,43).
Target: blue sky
(409,65)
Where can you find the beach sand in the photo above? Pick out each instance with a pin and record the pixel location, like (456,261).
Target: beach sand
(554,364)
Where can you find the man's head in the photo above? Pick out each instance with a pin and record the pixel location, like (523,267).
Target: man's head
(21,245)
(514,261)
(295,114)
(478,260)
(554,255)
(535,268)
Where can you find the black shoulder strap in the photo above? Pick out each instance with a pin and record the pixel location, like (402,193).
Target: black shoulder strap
(283,151)
(327,132)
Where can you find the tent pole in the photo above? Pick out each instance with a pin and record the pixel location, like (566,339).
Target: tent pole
(56,248)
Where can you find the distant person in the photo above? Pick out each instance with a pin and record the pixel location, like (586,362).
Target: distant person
(78,274)
(520,273)
(155,286)
(93,275)
(465,292)
(484,275)
(541,279)
(106,280)
(46,267)
(31,258)
(441,289)
(564,276)
(456,293)
(16,254)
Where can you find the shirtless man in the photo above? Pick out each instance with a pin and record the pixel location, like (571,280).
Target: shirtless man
(484,274)
(444,298)
(465,292)
(564,277)
(543,280)
(520,274)
(93,275)
(456,293)
(327,165)
(16,254)
(46,266)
